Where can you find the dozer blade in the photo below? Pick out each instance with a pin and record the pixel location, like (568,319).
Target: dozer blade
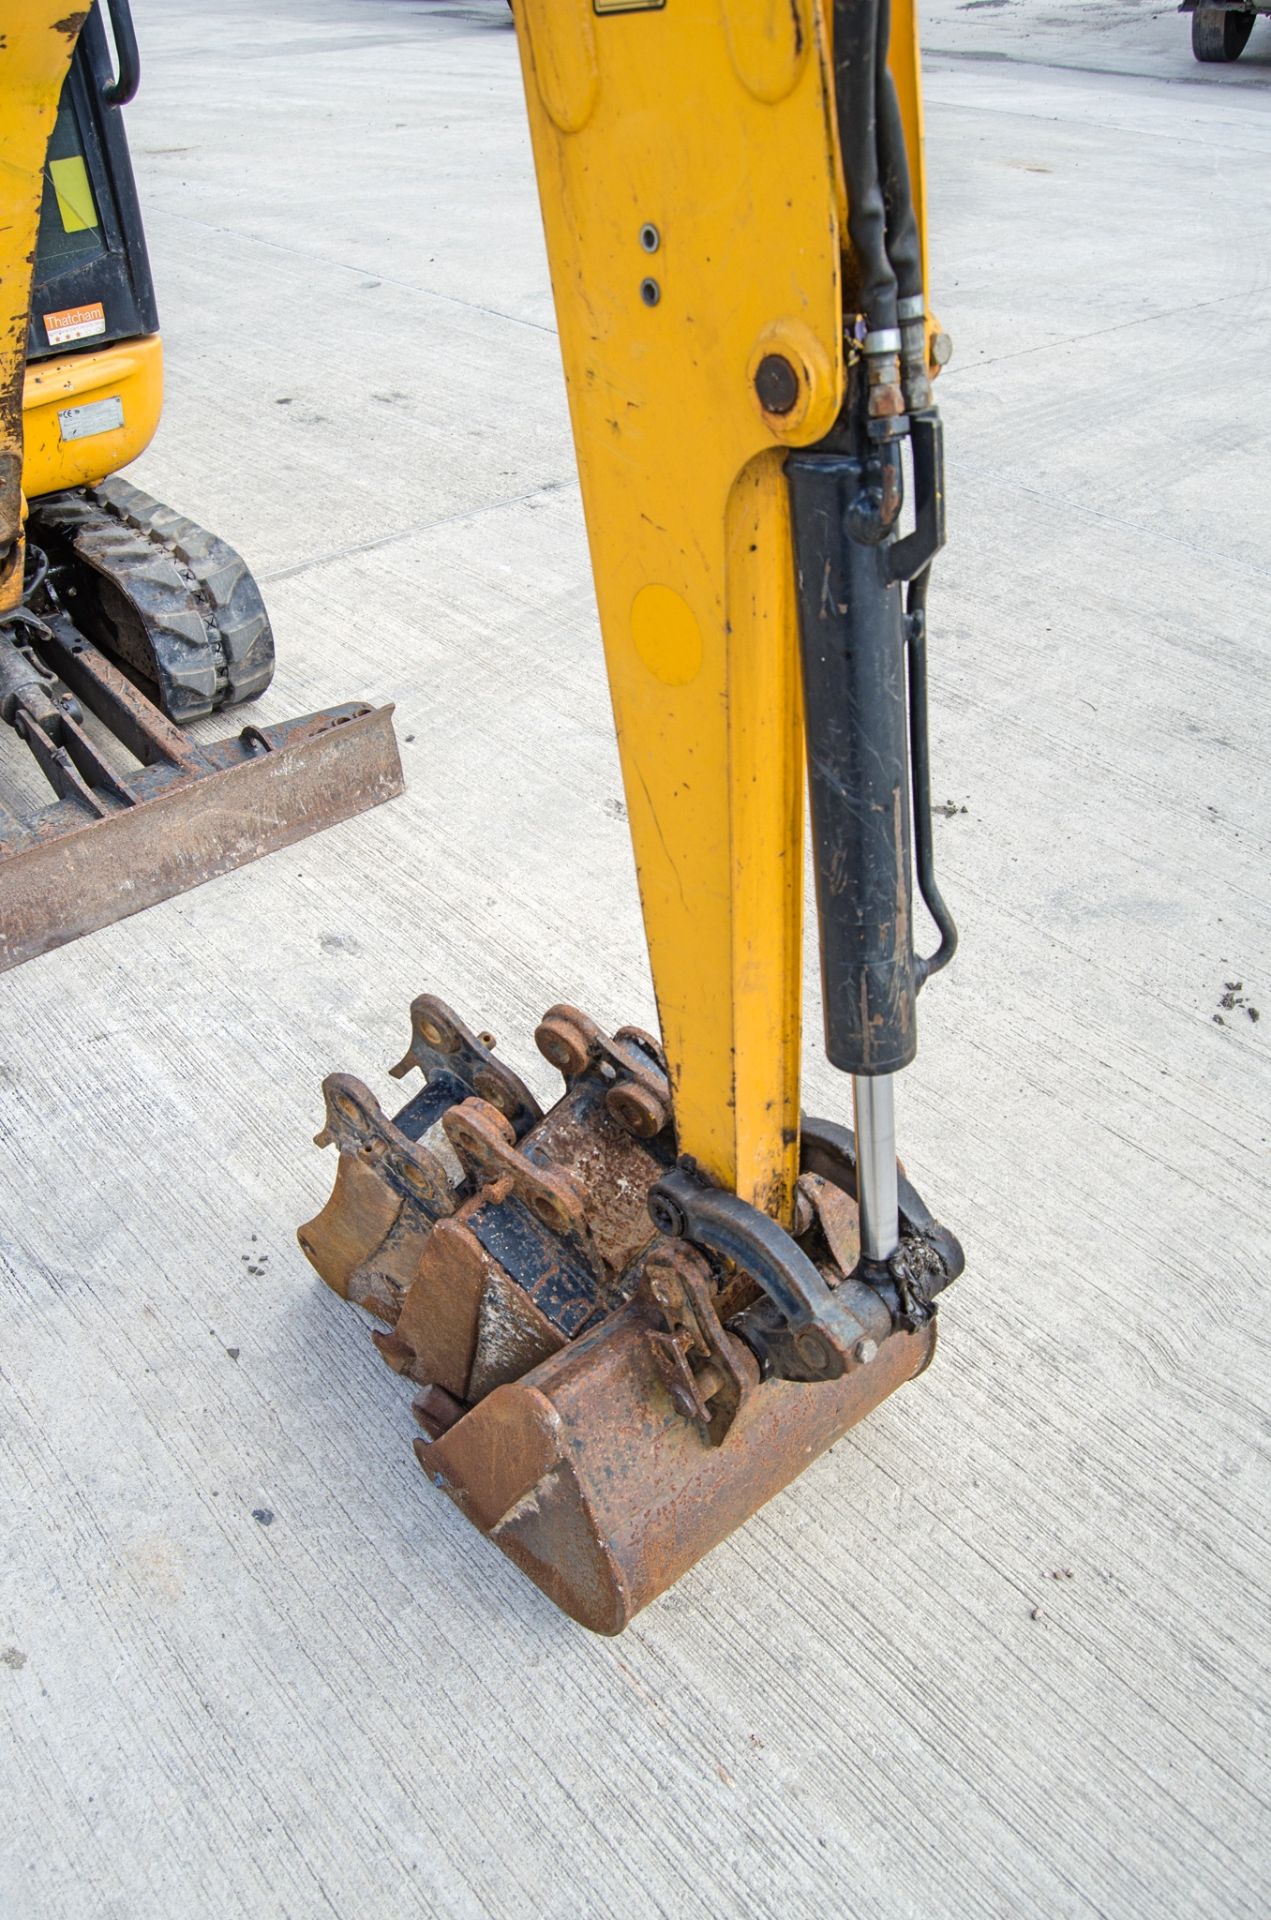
(616,1364)
(113,843)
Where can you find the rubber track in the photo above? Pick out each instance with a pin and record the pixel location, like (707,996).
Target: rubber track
(167,598)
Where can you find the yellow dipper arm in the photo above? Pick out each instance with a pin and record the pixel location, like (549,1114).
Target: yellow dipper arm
(692,199)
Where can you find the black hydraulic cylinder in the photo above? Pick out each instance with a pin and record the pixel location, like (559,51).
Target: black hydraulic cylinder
(852,640)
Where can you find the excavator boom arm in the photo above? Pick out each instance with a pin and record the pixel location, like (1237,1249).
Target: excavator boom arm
(692,196)
(636,1316)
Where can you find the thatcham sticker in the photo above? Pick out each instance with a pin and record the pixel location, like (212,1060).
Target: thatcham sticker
(75,323)
(98,416)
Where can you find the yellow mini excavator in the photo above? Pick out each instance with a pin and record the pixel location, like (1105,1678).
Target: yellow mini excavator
(634,1317)
(120,620)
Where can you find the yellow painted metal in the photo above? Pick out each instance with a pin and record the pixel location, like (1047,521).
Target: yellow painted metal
(693,206)
(131,372)
(35,51)
(701,131)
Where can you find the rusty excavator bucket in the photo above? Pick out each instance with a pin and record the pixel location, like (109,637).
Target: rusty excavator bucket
(614,1365)
(633,1318)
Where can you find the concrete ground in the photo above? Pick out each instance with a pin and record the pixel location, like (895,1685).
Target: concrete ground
(1002,1653)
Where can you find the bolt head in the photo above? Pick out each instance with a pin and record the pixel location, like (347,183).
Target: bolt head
(776,383)
(941,349)
(666,1215)
(551,1213)
(865,1351)
(636,1109)
(561,1045)
(811,1349)
(492,1089)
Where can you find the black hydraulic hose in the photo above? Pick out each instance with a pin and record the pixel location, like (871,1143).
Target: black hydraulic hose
(904,249)
(38,563)
(920,773)
(857,55)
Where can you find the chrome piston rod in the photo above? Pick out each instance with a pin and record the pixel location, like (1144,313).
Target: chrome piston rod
(873,1100)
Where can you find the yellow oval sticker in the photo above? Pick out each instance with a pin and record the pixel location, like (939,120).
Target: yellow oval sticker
(667,636)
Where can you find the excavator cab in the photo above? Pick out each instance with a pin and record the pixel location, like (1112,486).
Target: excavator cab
(121,620)
(632,1316)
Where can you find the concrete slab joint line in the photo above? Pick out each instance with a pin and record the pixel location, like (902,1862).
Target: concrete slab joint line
(1003,1651)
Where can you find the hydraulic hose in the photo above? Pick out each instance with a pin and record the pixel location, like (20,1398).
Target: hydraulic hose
(920,772)
(37,569)
(904,245)
(857,57)
(904,249)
